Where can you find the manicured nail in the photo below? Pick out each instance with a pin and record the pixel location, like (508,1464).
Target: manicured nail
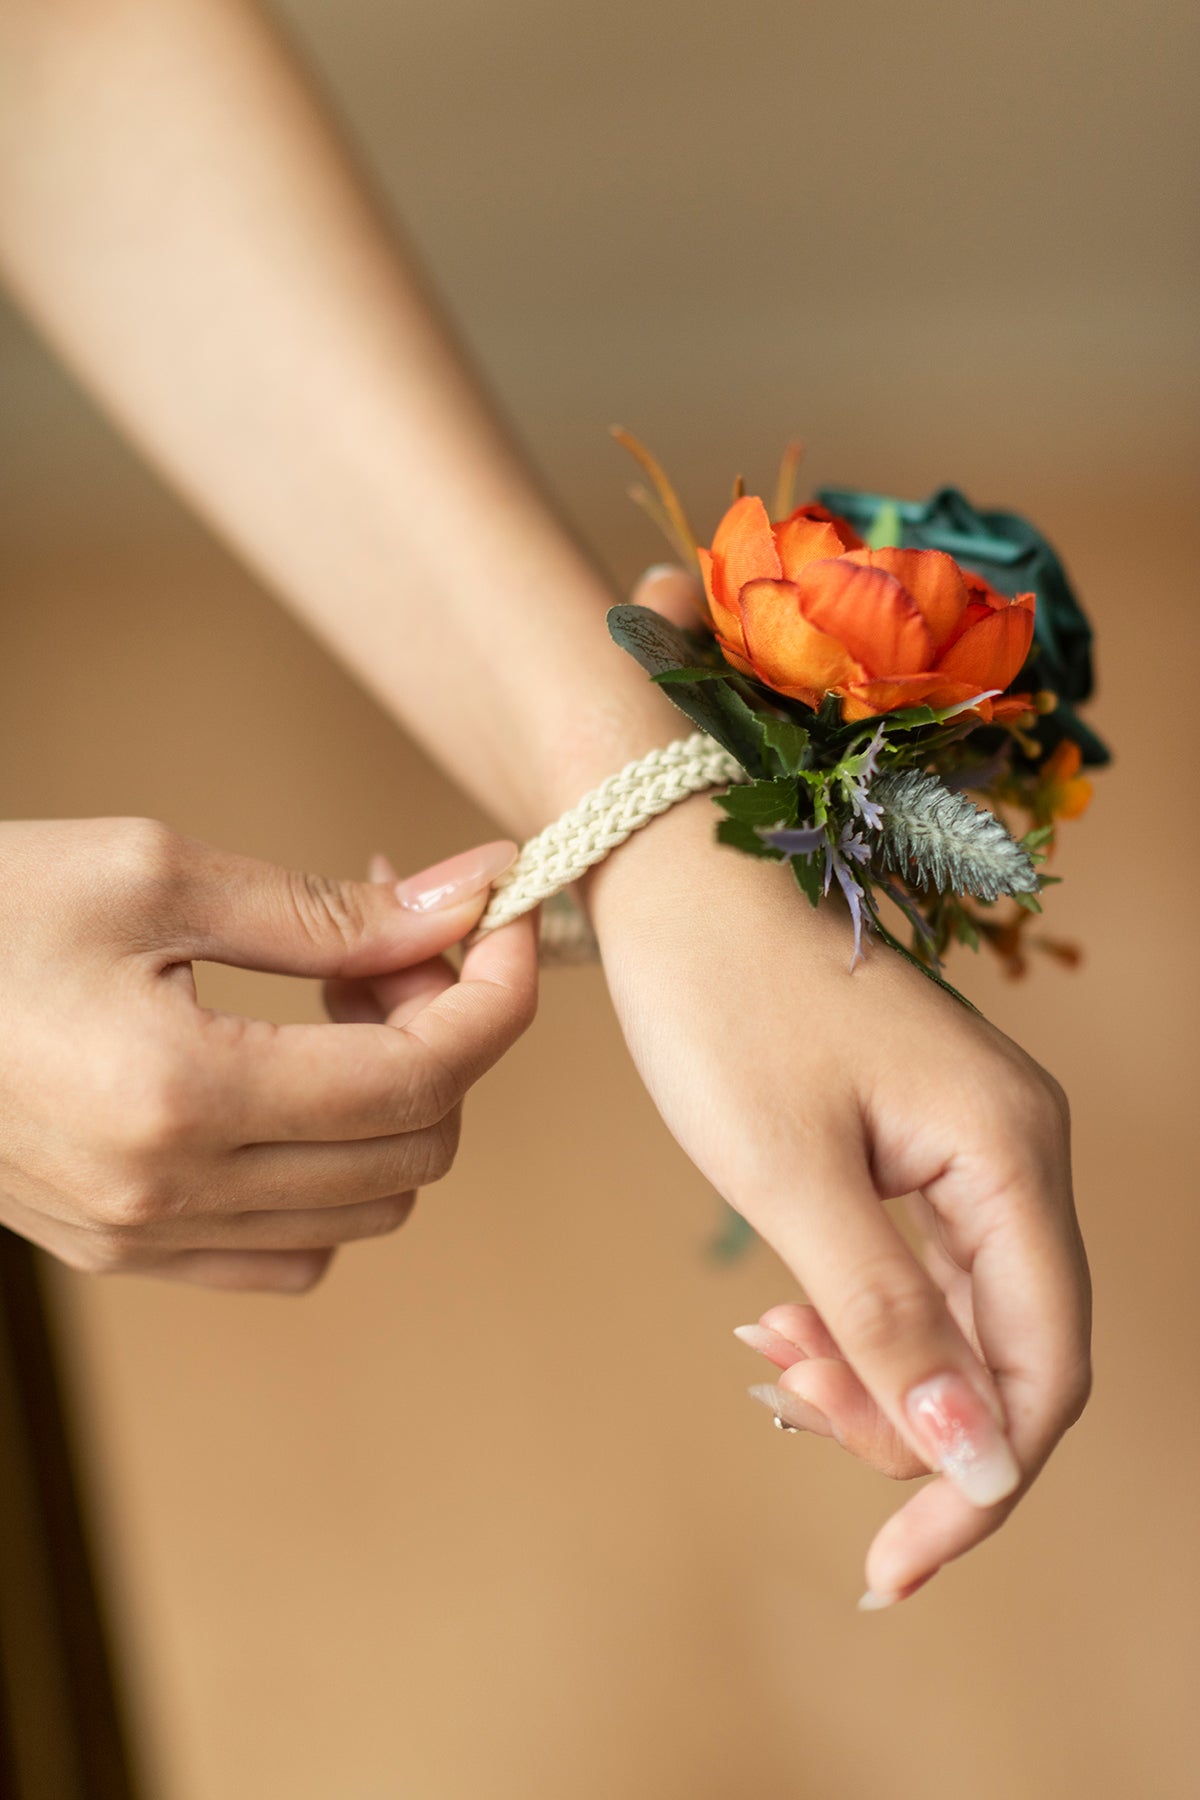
(769,1343)
(956,1427)
(452,882)
(791,1412)
(380,870)
(875,1600)
(659,572)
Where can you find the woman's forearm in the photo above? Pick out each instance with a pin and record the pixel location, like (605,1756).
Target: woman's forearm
(181,219)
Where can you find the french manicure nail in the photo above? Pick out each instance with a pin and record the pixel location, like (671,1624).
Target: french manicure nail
(955,1425)
(769,1343)
(875,1602)
(457,879)
(380,870)
(659,571)
(791,1412)
(875,1599)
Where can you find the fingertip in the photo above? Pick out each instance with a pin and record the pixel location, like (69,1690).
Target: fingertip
(671,592)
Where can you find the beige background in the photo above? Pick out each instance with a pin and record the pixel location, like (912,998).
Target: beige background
(456,1525)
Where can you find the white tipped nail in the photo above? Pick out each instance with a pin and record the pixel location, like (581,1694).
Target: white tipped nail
(873,1602)
(659,571)
(791,1412)
(768,1343)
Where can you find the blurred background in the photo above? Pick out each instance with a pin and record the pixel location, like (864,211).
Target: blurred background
(456,1524)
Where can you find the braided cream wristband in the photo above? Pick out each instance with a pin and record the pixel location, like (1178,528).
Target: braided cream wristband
(599,822)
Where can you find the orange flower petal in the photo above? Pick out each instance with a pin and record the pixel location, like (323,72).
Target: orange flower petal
(726,623)
(1013,706)
(991,651)
(743,549)
(930,578)
(1075,798)
(866,698)
(788,652)
(982,592)
(801,539)
(869,612)
(1064,763)
(734,655)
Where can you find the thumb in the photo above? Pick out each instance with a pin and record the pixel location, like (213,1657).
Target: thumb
(258,916)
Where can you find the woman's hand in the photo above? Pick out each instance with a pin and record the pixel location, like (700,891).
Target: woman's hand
(142,1132)
(808,1095)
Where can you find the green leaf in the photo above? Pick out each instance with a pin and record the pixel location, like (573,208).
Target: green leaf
(734,1237)
(762,802)
(1033,840)
(909,717)
(809,878)
(742,836)
(885,528)
(1030,902)
(965,931)
(702,672)
(786,744)
(712,705)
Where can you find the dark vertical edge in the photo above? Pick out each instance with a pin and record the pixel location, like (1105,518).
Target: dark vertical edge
(60,1715)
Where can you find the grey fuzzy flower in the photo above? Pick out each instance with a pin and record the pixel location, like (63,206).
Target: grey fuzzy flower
(940,841)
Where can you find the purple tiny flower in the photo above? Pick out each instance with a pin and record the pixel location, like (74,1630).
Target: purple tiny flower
(801,841)
(849,848)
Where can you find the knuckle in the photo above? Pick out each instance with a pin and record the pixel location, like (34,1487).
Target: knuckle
(1039,1102)
(445,1138)
(101,1252)
(429,1153)
(436,1091)
(883,1312)
(1077,1393)
(326,908)
(158,1110)
(145,854)
(137,1202)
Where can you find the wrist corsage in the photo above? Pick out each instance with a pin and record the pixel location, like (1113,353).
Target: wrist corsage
(899,683)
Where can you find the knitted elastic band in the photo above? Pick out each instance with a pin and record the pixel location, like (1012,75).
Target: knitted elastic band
(604,818)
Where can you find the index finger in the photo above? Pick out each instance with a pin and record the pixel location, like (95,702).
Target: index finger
(1032,1296)
(330,1083)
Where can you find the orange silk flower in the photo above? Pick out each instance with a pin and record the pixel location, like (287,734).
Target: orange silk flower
(808,610)
(1065,793)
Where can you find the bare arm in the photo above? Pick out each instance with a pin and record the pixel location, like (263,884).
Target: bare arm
(181,219)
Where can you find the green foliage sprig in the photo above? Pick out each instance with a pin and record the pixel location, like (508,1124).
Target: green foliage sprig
(875,807)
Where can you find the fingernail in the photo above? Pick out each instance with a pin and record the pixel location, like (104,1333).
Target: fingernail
(956,1427)
(791,1412)
(658,571)
(451,882)
(380,870)
(876,1599)
(769,1343)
